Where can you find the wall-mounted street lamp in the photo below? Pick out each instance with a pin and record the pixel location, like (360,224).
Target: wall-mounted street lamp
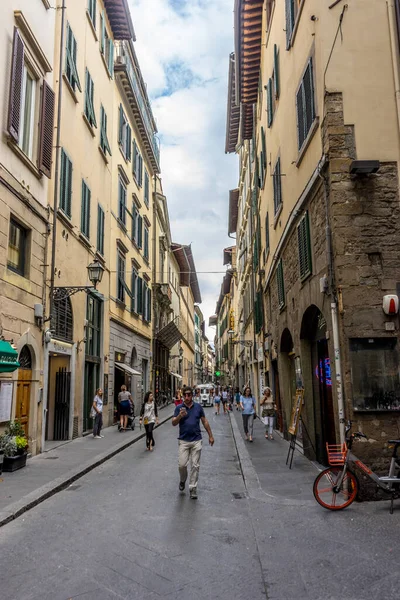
(95,274)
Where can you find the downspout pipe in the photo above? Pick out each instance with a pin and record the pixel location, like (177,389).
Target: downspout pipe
(334,314)
(46,364)
(153,298)
(394,43)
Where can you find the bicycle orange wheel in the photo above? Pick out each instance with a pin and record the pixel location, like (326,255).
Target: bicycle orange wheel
(326,492)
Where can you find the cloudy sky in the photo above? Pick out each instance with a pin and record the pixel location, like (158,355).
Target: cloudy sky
(183,48)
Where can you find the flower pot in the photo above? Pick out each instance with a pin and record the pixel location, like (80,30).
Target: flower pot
(13,463)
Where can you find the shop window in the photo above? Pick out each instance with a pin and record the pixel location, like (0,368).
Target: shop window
(375,374)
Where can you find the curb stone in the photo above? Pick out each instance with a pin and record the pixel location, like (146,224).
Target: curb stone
(16,509)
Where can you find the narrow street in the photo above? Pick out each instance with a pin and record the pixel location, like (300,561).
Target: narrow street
(124,531)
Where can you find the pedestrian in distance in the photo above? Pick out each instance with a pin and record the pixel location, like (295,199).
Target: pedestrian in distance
(248,403)
(97,411)
(149,417)
(225,400)
(124,400)
(178,398)
(217,402)
(197,396)
(268,412)
(211,396)
(188,417)
(237,398)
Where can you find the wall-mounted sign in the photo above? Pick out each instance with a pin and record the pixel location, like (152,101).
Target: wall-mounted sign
(8,358)
(120,357)
(296,412)
(6,393)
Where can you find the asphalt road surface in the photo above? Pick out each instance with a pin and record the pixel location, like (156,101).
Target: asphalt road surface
(125,531)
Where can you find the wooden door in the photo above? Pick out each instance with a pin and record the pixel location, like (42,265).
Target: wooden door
(24,384)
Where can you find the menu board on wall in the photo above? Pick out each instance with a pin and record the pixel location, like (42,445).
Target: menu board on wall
(6,393)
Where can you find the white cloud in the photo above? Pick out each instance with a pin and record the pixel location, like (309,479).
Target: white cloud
(183,48)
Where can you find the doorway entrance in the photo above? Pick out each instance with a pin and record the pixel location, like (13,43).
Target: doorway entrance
(24,386)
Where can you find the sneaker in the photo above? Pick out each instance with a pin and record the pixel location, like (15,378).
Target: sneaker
(101,436)
(97,437)
(193,494)
(181,486)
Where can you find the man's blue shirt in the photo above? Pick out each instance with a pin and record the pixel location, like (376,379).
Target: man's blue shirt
(189,426)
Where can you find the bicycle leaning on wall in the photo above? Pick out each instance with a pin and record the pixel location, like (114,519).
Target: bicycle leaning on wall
(337,486)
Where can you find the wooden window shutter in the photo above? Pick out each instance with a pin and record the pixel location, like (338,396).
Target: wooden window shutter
(139,305)
(289,22)
(134,159)
(308,88)
(277,72)
(133,290)
(134,222)
(100,229)
(17,71)
(300,116)
(269,103)
(46,130)
(140,231)
(264,148)
(68,187)
(149,305)
(111,57)
(267,232)
(128,142)
(102,33)
(121,124)
(144,294)
(304,246)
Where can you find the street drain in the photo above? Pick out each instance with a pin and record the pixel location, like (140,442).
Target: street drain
(238,495)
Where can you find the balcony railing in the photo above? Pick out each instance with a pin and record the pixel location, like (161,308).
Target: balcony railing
(123,58)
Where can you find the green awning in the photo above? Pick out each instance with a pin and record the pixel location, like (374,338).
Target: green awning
(8,358)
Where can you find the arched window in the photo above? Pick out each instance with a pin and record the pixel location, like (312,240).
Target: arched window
(62,323)
(25,358)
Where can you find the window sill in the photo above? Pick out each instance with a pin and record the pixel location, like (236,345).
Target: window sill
(304,279)
(65,219)
(296,25)
(24,158)
(307,141)
(70,89)
(89,126)
(85,240)
(16,272)
(103,155)
(92,27)
(282,308)
(278,214)
(120,304)
(122,226)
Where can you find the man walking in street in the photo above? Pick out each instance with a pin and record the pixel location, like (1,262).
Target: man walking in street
(188,416)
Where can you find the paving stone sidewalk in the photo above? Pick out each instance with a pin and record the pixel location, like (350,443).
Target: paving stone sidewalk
(49,472)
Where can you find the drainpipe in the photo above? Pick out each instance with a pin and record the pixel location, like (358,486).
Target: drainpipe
(153,298)
(334,314)
(46,363)
(393,33)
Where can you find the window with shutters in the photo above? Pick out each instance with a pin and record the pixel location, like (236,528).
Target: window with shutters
(106,46)
(100,229)
(304,245)
(124,135)
(293,11)
(89,100)
(146,188)
(121,201)
(28,110)
(280,284)
(137,164)
(277,182)
(305,105)
(85,210)
(92,11)
(65,184)
(139,240)
(135,216)
(263,160)
(145,303)
(93,327)
(134,280)
(139,304)
(276,75)
(146,243)
(121,277)
(17,248)
(71,70)
(62,324)
(270,105)
(267,233)
(104,144)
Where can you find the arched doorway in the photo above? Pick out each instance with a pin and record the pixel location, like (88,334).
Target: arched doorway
(24,385)
(287,379)
(317,381)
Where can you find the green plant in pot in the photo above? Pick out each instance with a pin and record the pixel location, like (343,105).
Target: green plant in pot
(14,445)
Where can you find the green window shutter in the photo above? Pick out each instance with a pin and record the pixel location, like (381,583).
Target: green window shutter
(121,125)
(102,33)
(139,308)
(146,187)
(267,232)
(128,152)
(277,72)
(144,302)
(65,184)
(140,231)
(122,202)
(277,186)
(62,181)
(111,57)
(269,103)
(289,22)
(304,245)
(261,170)
(104,144)
(134,223)
(264,148)
(134,290)
(149,305)
(92,11)
(100,229)
(134,160)
(280,284)
(85,210)
(146,243)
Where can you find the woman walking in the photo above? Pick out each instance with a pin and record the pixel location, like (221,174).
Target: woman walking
(149,416)
(237,398)
(268,412)
(97,408)
(247,404)
(125,400)
(217,401)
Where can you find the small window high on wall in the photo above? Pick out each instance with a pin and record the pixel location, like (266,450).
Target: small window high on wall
(375,374)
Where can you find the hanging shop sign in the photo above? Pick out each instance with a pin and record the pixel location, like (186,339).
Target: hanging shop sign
(8,358)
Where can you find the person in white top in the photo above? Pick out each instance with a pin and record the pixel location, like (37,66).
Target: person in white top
(97,408)
(149,417)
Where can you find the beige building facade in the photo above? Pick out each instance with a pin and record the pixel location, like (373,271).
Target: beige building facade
(321,167)
(27,121)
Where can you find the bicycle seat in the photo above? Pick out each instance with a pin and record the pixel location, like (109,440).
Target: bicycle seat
(394,442)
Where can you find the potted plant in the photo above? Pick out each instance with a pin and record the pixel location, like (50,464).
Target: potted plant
(14,445)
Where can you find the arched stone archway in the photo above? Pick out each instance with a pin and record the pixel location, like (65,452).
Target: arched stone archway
(26,389)
(316,366)
(287,378)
